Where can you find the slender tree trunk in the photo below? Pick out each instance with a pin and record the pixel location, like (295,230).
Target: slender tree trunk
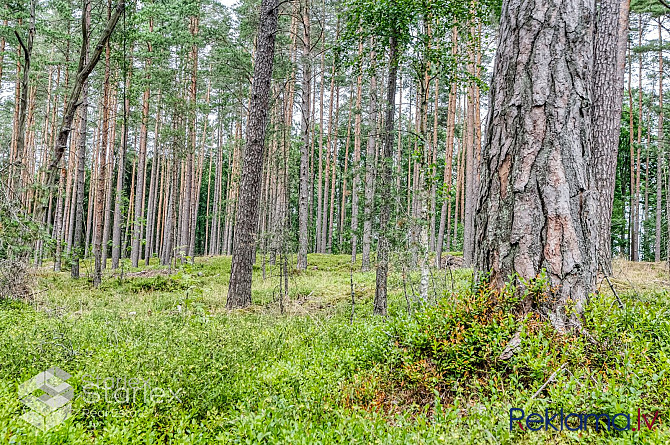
(214,231)
(58,221)
(470,170)
(335,155)
(107,225)
(636,199)
(108,194)
(102,174)
(239,292)
(330,164)
(370,171)
(609,52)
(356,165)
(635,241)
(23,103)
(433,185)
(448,159)
(385,181)
(195,184)
(168,231)
(319,189)
(131,210)
(81,153)
(660,149)
(303,205)
(121,168)
(140,184)
(343,205)
(2,49)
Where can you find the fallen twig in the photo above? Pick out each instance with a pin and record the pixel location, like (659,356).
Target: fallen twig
(614,291)
(549,380)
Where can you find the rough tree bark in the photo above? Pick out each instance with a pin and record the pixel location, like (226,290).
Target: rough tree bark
(239,292)
(609,52)
(536,204)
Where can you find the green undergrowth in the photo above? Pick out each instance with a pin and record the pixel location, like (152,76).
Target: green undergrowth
(155,358)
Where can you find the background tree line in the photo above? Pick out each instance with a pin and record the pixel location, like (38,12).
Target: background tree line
(152,166)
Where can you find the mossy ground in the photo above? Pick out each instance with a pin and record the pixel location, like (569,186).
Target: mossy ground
(310,374)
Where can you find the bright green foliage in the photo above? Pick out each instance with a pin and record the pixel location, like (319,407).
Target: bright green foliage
(310,375)
(462,335)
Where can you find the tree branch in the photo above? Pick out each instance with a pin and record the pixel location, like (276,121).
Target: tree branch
(73,100)
(25,50)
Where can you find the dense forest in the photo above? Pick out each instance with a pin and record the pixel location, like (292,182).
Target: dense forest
(517,145)
(152,166)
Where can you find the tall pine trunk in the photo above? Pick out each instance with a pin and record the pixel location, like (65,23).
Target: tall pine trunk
(536,205)
(306,88)
(385,180)
(609,52)
(370,168)
(659,149)
(239,291)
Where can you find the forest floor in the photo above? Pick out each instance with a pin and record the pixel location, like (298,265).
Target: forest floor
(155,357)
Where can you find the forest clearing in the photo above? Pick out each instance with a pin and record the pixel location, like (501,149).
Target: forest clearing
(334,221)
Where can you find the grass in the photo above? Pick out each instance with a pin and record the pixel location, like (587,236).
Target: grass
(156,358)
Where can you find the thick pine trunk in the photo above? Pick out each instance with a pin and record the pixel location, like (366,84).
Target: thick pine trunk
(536,204)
